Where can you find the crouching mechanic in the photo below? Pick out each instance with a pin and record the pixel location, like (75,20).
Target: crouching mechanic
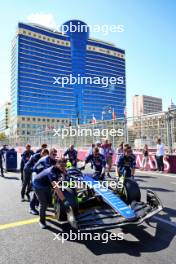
(98,163)
(34,201)
(28,173)
(46,162)
(44,182)
(72,155)
(25,156)
(126,163)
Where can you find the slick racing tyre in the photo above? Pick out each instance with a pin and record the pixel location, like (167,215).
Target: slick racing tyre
(131,191)
(71,197)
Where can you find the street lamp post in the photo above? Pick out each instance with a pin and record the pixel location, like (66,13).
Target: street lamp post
(109,110)
(169,118)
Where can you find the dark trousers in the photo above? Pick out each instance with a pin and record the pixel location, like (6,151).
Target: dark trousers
(160,163)
(126,171)
(2,170)
(26,184)
(34,201)
(22,173)
(74,163)
(44,197)
(97,175)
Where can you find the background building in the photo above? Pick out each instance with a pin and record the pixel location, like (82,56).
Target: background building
(5,117)
(147,129)
(39,55)
(143,104)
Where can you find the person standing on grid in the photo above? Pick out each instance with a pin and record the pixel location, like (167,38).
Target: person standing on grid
(160,152)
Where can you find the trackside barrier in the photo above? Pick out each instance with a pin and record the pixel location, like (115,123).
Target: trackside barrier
(169,160)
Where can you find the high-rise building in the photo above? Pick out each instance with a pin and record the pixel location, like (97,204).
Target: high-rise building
(40,56)
(5,117)
(143,104)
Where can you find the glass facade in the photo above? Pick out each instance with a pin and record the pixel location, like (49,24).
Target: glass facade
(105,64)
(39,55)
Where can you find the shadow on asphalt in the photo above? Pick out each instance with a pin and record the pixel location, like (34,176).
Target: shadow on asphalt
(144,241)
(11,178)
(140,180)
(157,189)
(147,177)
(169,213)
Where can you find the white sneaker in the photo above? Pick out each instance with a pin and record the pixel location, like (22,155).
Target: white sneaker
(71,218)
(42,225)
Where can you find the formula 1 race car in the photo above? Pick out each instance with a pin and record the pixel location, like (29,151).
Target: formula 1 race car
(96,206)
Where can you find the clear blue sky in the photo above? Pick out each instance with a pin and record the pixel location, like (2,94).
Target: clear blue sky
(149,38)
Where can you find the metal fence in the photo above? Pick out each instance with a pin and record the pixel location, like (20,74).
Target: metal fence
(137,131)
(82,136)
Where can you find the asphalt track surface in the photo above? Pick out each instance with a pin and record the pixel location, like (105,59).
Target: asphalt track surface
(22,240)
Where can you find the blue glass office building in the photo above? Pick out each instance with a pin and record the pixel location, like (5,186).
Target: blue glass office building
(40,54)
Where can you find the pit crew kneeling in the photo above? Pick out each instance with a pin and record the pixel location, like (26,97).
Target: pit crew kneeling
(98,163)
(44,182)
(126,163)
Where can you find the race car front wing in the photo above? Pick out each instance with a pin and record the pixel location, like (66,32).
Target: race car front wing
(107,218)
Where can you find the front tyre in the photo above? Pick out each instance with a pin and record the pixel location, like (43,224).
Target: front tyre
(71,197)
(131,191)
